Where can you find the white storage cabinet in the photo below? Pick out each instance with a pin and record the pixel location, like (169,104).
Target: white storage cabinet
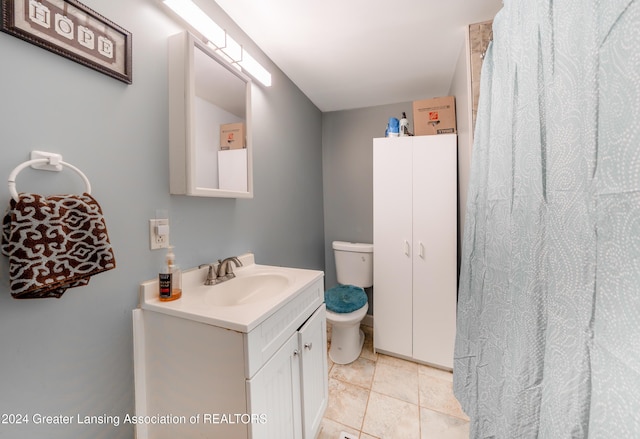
(415,247)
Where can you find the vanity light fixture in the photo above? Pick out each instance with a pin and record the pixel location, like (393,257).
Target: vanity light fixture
(218,39)
(200,21)
(253,67)
(232,49)
(224,56)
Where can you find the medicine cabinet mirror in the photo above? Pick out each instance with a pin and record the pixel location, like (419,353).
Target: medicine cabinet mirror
(210,122)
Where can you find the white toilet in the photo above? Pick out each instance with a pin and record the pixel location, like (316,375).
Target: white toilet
(347,302)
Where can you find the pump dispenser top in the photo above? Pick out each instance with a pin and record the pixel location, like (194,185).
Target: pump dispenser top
(170,257)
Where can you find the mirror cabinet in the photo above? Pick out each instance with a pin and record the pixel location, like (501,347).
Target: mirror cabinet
(209,122)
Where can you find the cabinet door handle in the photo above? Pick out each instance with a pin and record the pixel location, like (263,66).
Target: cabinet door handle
(407,248)
(308,345)
(421,249)
(295,353)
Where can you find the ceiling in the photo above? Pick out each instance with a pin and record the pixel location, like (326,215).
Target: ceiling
(347,54)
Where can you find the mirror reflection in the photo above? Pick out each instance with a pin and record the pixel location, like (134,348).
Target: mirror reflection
(220,109)
(217,150)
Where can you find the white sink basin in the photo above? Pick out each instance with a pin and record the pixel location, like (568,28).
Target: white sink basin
(241,303)
(246,290)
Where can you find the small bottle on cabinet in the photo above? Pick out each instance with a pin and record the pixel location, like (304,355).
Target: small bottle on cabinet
(404,125)
(170,279)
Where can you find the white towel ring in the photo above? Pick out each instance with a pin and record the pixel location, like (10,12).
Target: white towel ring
(20,167)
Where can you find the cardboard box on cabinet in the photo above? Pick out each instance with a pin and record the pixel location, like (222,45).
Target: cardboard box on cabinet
(434,116)
(232,136)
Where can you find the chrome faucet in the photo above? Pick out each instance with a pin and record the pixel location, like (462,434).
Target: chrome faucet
(212,277)
(225,270)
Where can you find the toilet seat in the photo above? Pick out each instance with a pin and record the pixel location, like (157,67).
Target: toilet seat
(345,299)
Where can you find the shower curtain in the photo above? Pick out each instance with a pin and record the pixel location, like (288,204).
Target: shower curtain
(548,324)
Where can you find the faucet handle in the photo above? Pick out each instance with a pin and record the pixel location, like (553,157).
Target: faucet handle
(211,274)
(205,265)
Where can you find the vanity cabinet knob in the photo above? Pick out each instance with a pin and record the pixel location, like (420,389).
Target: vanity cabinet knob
(308,345)
(295,353)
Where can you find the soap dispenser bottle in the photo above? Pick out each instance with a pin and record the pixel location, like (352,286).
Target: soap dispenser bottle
(170,278)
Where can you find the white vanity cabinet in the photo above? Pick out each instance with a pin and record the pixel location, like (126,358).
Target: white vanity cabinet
(415,247)
(291,389)
(268,383)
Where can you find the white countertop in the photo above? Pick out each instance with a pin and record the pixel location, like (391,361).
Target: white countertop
(243,318)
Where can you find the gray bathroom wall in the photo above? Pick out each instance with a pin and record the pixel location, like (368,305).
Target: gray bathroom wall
(347,166)
(73,355)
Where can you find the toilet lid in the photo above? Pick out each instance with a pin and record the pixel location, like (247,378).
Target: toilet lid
(345,298)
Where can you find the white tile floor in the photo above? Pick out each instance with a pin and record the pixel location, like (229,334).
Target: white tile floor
(383,397)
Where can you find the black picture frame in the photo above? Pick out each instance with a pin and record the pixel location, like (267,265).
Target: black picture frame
(73,30)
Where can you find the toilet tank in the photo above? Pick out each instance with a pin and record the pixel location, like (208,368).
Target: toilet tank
(354,263)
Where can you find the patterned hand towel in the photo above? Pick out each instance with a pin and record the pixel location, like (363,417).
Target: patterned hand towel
(54,243)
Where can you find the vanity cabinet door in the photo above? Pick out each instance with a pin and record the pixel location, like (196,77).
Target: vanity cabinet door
(312,344)
(275,392)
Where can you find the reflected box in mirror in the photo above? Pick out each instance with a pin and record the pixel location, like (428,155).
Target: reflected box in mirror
(232,136)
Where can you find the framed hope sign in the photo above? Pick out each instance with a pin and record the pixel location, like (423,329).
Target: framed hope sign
(71,29)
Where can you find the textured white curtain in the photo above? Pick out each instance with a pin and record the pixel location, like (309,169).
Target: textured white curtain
(548,328)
